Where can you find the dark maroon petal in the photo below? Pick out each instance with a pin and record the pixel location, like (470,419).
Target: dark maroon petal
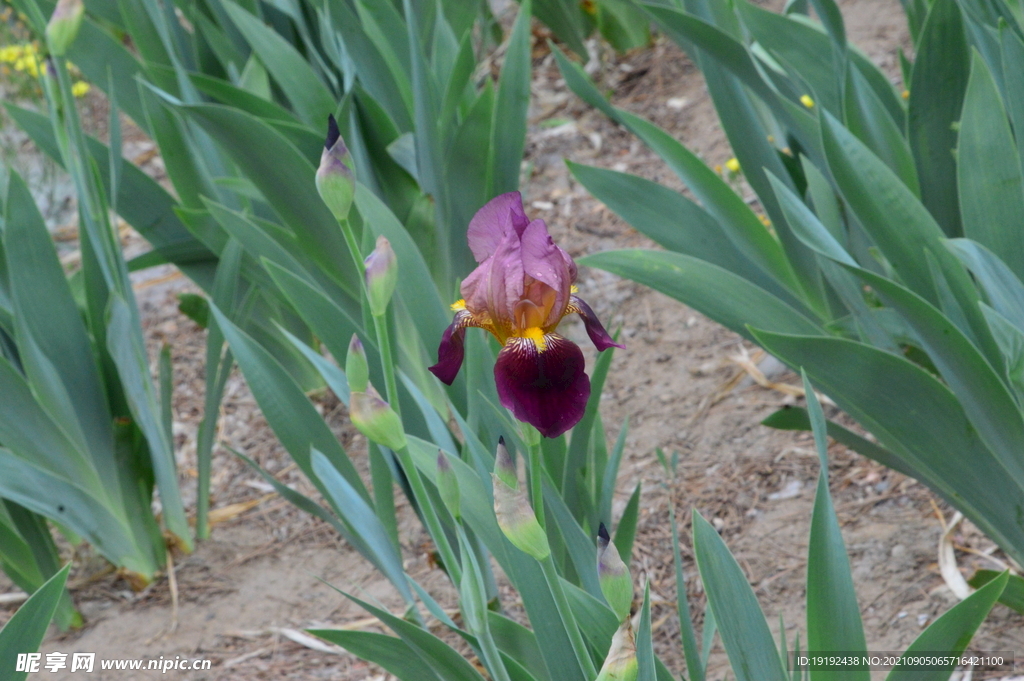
(595,330)
(545,388)
(502,214)
(452,349)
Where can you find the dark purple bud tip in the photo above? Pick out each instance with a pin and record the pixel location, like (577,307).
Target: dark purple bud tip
(333,133)
(602,533)
(501,440)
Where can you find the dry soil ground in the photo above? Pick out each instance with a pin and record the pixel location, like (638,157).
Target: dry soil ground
(243,594)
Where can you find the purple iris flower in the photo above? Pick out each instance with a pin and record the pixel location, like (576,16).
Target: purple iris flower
(520,291)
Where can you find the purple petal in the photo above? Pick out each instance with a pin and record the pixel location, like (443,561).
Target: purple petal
(595,329)
(500,215)
(545,388)
(452,349)
(496,285)
(547,263)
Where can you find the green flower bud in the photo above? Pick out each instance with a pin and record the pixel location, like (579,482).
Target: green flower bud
(517,520)
(63,26)
(381,276)
(621,664)
(375,419)
(504,467)
(335,178)
(612,573)
(448,485)
(356,369)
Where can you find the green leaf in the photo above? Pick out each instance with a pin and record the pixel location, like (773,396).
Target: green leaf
(799,45)
(671,219)
(508,131)
(725,297)
(292,72)
(391,653)
(741,625)
(519,643)
(736,219)
(68,504)
(937,86)
(1012,596)
(143,203)
(625,530)
(360,517)
(286,408)
(644,643)
(951,633)
(1002,288)
(989,171)
(24,632)
(435,653)
(833,616)
(694,664)
(564,19)
(128,351)
(285,177)
(985,398)
(866,117)
(918,419)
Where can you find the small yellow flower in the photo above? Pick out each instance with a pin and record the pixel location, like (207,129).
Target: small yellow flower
(29,64)
(718,168)
(764,219)
(807,101)
(9,54)
(906,94)
(80,88)
(733,165)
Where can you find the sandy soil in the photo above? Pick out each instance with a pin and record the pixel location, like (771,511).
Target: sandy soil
(243,594)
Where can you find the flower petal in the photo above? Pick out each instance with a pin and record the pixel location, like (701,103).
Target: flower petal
(547,263)
(543,382)
(452,348)
(496,285)
(595,329)
(500,215)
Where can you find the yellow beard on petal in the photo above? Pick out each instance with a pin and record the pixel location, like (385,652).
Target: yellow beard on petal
(535,334)
(458,305)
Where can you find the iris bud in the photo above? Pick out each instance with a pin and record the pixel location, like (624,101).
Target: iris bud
(612,573)
(381,276)
(621,664)
(504,467)
(517,520)
(448,485)
(375,419)
(63,26)
(356,369)
(335,178)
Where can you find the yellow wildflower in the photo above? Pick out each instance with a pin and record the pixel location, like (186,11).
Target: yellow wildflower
(733,165)
(807,101)
(906,94)
(11,53)
(28,63)
(80,88)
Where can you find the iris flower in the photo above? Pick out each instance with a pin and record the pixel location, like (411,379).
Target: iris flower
(519,292)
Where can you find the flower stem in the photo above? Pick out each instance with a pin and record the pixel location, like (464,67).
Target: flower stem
(387,361)
(419,490)
(568,619)
(353,249)
(536,480)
